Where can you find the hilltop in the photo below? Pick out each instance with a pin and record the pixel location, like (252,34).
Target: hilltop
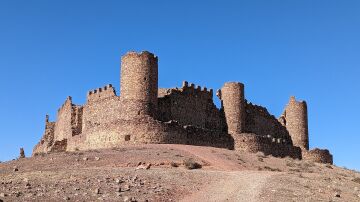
(160,173)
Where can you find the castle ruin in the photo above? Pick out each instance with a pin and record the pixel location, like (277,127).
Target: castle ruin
(146,114)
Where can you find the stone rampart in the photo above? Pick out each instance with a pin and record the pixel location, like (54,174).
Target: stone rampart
(259,121)
(318,155)
(277,147)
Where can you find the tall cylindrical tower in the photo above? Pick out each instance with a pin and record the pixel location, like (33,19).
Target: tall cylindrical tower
(233,103)
(139,82)
(296,122)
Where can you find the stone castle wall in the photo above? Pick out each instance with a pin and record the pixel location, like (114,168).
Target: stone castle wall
(144,114)
(69,121)
(259,121)
(277,147)
(318,155)
(190,105)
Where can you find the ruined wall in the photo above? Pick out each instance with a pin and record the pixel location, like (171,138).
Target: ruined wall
(277,147)
(69,121)
(63,128)
(233,103)
(318,155)
(296,122)
(139,82)
(190,105)
(47,139)
(259,121)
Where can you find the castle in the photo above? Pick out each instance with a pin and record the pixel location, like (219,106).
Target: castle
(146,114)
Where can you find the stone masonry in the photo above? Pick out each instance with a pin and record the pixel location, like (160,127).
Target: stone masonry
(146,114)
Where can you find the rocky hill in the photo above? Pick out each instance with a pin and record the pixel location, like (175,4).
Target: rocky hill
(173,173)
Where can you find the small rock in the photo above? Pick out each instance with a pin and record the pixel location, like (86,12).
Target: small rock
(359,195)
(16,169)
(126,187)
(139,163)
(126,199)
(356,189)
(97,158)
(28,186)
(85,158)
(76,188)
(118,189)
(337,195)
(118,181)
(3,195)
(145,167)
(66,198)
(26,180)
(97,191)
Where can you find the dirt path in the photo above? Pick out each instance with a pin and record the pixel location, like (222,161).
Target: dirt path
(234,186)
(215,161)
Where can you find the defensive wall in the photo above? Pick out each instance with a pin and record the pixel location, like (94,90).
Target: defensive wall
(145,114)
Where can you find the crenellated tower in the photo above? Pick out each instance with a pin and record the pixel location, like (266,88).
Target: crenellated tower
(233,103)
(139,83)
(296,122)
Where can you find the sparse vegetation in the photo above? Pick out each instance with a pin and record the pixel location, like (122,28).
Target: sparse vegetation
(191,164)
(174,164)
(272,169)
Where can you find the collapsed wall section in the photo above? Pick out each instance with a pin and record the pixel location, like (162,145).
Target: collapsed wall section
(47,139)
(190,105)
(68,124)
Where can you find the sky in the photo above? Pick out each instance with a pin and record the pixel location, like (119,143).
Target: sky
(310,49)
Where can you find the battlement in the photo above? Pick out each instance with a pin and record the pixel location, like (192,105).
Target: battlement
(101,93)
(192,88)
(187,89)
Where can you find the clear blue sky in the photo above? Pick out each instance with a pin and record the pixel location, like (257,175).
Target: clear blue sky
(310,49)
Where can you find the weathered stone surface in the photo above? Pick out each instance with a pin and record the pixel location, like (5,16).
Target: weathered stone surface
(144,114)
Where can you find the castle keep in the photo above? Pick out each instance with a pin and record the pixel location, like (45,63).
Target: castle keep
(145,114)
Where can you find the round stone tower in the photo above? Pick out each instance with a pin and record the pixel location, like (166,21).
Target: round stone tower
(139,83)
(296,122)
(233,103)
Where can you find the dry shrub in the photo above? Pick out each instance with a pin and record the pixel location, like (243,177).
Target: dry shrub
(173,164)
(191,164)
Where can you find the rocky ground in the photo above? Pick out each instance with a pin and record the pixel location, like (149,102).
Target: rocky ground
(173,173)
